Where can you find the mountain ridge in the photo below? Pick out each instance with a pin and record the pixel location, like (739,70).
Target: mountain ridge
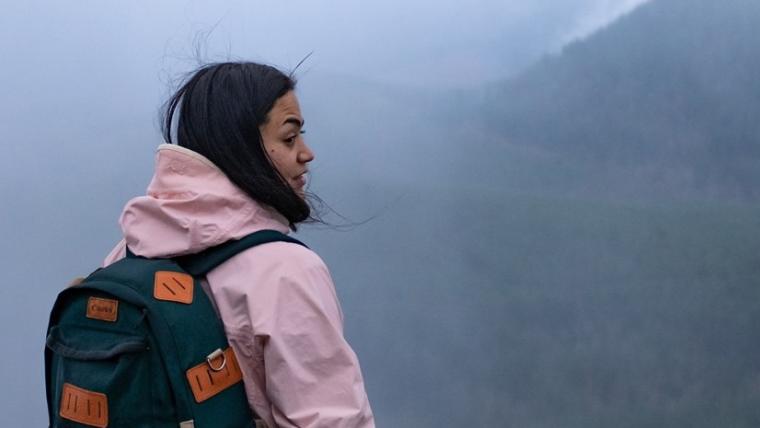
(669,87)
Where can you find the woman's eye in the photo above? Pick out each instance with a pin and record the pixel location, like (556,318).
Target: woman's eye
(292,139)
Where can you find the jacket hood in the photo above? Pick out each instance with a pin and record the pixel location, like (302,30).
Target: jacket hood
(190,206)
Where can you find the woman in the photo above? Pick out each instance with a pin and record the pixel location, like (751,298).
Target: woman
(239,165)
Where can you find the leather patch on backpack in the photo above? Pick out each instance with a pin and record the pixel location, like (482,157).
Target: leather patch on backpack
(173,287)
(102,309)
(83,406)
(214,376)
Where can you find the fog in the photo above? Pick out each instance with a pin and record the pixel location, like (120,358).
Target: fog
(540,214)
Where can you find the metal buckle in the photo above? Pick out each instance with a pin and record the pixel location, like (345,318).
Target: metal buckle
(214,355)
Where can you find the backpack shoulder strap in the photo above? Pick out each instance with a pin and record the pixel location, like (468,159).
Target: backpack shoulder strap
(201,263)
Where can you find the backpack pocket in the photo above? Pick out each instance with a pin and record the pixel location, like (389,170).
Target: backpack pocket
(102,345)
(103,378)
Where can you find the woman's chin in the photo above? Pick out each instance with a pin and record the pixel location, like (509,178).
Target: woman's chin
(300,191)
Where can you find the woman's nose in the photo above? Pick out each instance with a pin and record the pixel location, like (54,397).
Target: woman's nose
(305,155)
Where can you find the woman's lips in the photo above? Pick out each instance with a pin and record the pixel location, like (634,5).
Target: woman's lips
(300,181)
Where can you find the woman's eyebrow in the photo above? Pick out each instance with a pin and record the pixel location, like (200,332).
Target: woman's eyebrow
(294,121)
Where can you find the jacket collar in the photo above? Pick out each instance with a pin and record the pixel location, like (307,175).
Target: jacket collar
(190,206)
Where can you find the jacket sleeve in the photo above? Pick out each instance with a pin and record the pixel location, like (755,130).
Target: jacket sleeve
(282,297)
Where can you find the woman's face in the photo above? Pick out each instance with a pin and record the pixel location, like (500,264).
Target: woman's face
(284,143)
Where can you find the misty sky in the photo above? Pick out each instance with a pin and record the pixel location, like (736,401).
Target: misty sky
(420,43)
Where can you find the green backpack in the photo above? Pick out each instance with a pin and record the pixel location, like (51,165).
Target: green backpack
(138,344)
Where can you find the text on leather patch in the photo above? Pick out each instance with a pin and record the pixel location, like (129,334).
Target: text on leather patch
(83,406)
(102,309)
(173,287)
(212,377)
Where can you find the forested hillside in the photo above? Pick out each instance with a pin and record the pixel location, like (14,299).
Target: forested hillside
(668,96)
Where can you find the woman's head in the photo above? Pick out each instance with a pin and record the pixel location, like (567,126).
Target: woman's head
(245,118)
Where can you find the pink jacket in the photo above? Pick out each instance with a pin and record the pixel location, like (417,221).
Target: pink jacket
(277,301)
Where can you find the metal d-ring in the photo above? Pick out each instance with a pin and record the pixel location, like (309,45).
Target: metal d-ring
(214,355)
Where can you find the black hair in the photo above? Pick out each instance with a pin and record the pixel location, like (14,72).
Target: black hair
(221,107)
